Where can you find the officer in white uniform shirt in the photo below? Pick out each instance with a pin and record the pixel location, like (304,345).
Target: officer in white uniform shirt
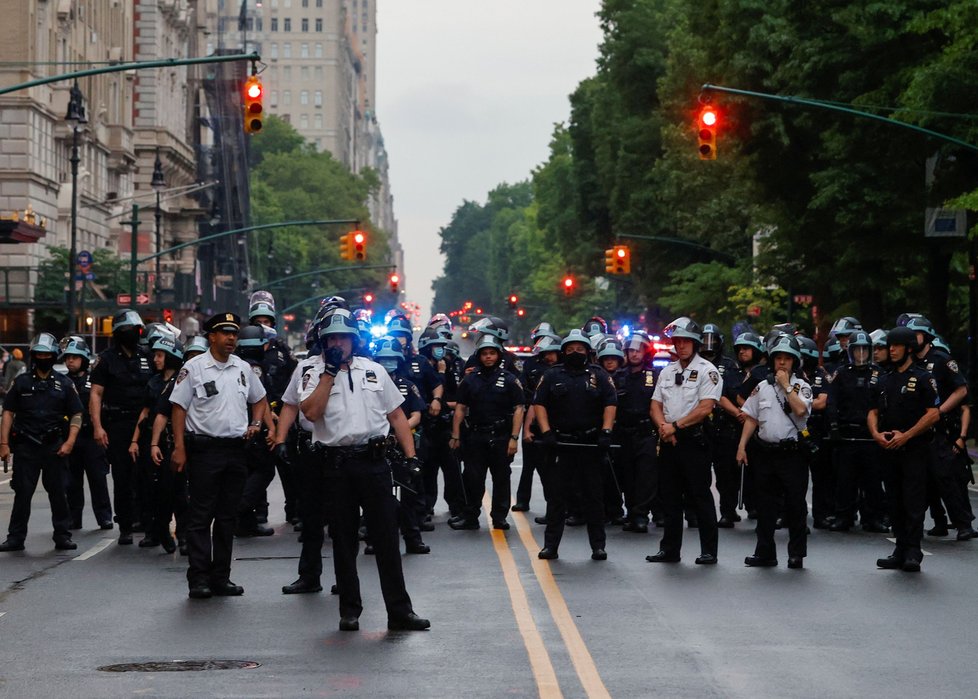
(686,393)
(353,405)
(777,416)
(212,398)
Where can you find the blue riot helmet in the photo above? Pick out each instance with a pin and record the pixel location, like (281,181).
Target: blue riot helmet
(196,345)
(860,348)
(78,347)
(924,329)
(432,344)
(712,347)
(312,340)
(172,352)
(684,327)
(595,325)
(152,332)
(251,343)
(453,350)
(940,344)
(364,328)
(261,305)
(45,342)
(832,349)
(878,337)
(752,342)
(846,326)
(807,347)
(491,325)
(610,348)
(904,318)
(541,330)
(786,344)
(400,326)
(388,354)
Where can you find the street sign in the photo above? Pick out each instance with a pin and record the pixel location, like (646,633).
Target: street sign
(803,299)
(945,223)
(84,260)
(86,276)
(126,299)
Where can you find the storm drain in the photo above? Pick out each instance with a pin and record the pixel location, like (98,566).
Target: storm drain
(182,666)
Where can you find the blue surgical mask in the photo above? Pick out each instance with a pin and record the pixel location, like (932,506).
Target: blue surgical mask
(390,365)
(438,353)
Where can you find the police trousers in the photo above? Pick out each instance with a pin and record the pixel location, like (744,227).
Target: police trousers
(725,466)
(485,453)
(857,471)
(637,467)
(947,482)
(87,459)
(781,478)
(573,471)
(33,462)
(362,482)
(439,457)
(314,507)
(684,476)
(124,478)
(905,475)
(216,472)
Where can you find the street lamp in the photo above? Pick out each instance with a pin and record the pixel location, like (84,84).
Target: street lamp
(158,183)
(76,115)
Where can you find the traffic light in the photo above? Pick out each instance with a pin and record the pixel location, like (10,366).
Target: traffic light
(521,312)
(359,239)
(253,111)
(513,300)
(707,133)
(167,315)
(568,285)
(395,281)
(609,260)
(623,259)
(346,246)
(368,299)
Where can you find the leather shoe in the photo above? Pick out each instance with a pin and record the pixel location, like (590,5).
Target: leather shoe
(796,562)
(411,622)
(65,545)
(349,623)
(105,525)
(500,524)
(148,542)
(368,550)
(12,545)
(938,530)
(889,563)
(663,557)
(875,528)
(226,589)
(965,533)
(184,549)
(706,559)
(540,519)
(758,562)
(302,585)
(200,591)
(547,553)
(464,524)
(599,555)
(822,523)
(840,525)
(76,524)
(521,507)
(725,523)
(125,538)
(169,545)
(257,530)
(426,527)
(911,565)
(333,590)
(418,547)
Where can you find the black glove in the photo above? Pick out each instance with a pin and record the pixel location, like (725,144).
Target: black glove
(413,466)
(281,452)
(548,439)
(604,440)
(332,358)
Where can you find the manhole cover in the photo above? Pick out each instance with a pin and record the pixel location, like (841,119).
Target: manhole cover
(182,666)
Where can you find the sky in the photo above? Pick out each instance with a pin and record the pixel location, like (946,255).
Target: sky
(468,92)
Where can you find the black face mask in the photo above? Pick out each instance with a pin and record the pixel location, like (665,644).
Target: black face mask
(128,338)
(44,364)
(575,360)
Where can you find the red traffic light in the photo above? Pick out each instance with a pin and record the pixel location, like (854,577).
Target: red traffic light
(521,312)
(708,117)
(359,237)
(368,298)
(568,285)
(513,300)
(254,90)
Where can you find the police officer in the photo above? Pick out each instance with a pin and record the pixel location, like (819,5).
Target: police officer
(491,325)
(211,429)
(119,379)
(903,412)
(575,407)
(352,404)
(843,329)
(777,411)
(725,425)
(856,454)
(436,421)
(881,356)
(751,357)
(685,396)
(546,350)
(35,411)
(87,459)
(950,467)
(821,464)
(636,436)
(490,401)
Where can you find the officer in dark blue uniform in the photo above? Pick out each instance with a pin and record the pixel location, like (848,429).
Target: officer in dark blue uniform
(490,402)
(546,350)
(857,467)
(119,379)
(725,425)
(37,409)
(575,407)
(821,464)
(436,423)
(636,435)
(903,412)
(491,325)
(950,467)
(87,459)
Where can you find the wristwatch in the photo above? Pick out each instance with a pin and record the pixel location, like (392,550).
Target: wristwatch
(255,424)
(515,437)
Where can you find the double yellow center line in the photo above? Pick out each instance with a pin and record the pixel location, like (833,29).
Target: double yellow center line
(540,663)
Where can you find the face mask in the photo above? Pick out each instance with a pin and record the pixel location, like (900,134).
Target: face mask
(128,338)
(575,360)
(44,364)
(390,365)
(438,353)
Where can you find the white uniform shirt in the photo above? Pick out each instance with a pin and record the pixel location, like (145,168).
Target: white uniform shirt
(216,396)
(291,394)
(700,381)
(766,405)
(352,417)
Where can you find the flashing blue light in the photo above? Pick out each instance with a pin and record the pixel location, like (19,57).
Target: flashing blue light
(626,331)
(378,331)
(660,362)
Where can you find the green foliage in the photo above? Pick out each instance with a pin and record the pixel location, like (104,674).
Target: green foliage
(111,278)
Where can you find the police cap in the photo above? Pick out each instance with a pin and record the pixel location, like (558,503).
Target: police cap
(226,322)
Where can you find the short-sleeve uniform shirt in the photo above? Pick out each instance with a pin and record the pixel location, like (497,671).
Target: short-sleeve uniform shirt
(768,403)
(216,395)
(680,390)
(353,414)
(291,394)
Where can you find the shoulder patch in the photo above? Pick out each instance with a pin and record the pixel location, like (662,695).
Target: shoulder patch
(305,380)
(415,391)
(257,369)
(806,392)
(714,377)
(182,374)
(756,389)
(952,365)
(95,362)
(933,384)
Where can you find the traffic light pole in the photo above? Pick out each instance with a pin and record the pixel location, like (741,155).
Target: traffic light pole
(678,241)
(324,270)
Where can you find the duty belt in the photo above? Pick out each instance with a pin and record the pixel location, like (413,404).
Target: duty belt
(579,436)
(785,445)
(488,427)
(205,440)
(49,437)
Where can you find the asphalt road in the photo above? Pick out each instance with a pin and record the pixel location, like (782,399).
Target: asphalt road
(503,622)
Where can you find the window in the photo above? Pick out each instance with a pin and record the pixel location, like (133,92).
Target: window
(317,121)
(273,98)
(318,50)
(304,97)
(305,3)
(319,3)
(287,50)
(304,50)
(305,24)
(287,97)
(318,98)
(287,24)
(274,24)
(317,73)
(319,25)
(304,73)
(287,74)
(273,49)
(259,25)
(303,121)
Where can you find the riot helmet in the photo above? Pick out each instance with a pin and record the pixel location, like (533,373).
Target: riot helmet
(595,325)
(387,353)
(197,345)
(860,348)
(712,347)
(541,330)
(684,327)
(251,343)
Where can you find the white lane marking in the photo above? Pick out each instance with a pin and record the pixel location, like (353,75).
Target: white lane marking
(2,613)
(893,541)
(6,481)
(100,546)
